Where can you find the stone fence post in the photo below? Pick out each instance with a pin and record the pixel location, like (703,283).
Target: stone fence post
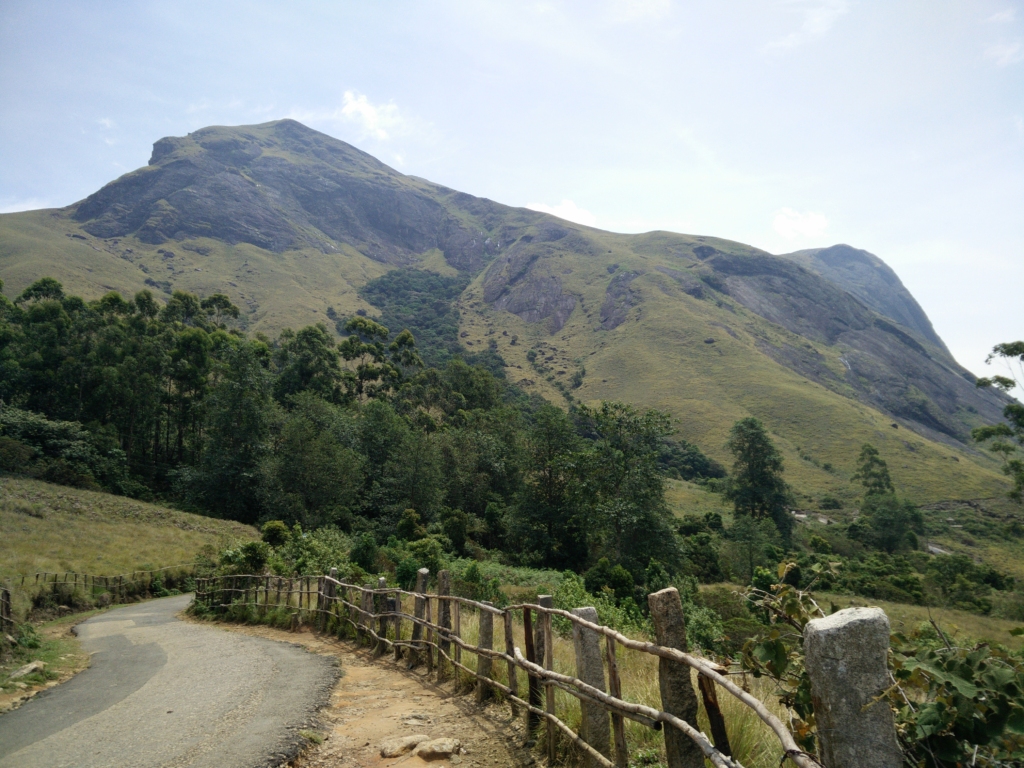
(677,694)
(846,655)
(590,669)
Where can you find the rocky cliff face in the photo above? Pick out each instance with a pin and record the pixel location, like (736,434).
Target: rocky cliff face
(279,186)
(871,280)
(886,364)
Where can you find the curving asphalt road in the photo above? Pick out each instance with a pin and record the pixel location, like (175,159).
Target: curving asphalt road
(165,693)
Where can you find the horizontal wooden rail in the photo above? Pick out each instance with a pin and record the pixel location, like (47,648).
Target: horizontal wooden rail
(365,618)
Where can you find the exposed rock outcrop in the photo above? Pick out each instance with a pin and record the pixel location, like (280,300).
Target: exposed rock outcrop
(871,280)
(511,284)
(619,298)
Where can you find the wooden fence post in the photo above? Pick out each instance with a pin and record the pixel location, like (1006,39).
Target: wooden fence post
(398,624)
(418,610)
(532,686)
(330,591)
(380,603)
(510,651)
(457,631)
(366,617)
(714,713)
(484,663)
(6,611)
(444,620)
(544,641)
(430,637)
(618,723)
(677,695)
(590,669)
(846,660)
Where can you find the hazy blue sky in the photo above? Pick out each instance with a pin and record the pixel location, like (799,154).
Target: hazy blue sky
(897,127)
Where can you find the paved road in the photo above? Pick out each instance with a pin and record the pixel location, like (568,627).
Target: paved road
(166,693)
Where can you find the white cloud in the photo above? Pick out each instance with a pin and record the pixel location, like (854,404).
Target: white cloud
(792,224)
(1005,54)
(28,204)
(381,122)
(1003,17)
(567,210)
(819,16)
(626,11)
(106,122)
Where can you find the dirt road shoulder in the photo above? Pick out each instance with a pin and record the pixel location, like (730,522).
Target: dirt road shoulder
(379,699)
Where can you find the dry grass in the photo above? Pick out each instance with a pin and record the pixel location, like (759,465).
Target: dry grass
(964,627)
(53,528)
(753,743)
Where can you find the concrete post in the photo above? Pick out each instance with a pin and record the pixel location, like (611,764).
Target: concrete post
(594,727)
(846,655)
(484,663)
(677,695)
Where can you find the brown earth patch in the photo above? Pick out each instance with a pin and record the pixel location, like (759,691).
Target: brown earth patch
(379,699)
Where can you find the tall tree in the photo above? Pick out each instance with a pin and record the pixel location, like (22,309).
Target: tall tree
(547,525)
(307,361)
(631,516)
(757,488)
(241,418)
(873,472)
(1005,439)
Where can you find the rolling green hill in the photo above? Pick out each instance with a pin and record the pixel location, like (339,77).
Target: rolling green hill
(826,347)
(55,528)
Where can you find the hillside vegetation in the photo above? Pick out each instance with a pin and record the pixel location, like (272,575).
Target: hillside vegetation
(296,227)
(55,528)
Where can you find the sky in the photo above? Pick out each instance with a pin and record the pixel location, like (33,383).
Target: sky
(787,124)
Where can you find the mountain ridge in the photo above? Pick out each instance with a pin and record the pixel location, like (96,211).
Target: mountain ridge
(291,223)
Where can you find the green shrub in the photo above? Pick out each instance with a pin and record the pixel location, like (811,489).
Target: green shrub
(830,502)
(15,456)
(364,553)
(274,532)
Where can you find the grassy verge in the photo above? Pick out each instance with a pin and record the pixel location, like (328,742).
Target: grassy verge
(55,528)
(52,643)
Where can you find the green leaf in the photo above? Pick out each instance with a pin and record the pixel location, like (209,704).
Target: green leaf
(963,687)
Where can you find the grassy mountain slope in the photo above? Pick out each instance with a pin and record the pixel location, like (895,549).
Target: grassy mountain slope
(55,528)
(291,223)
(660,356)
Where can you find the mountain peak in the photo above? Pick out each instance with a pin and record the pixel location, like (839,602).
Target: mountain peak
(276,185)
(871,280)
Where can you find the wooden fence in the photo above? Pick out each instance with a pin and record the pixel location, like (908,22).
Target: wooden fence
(119,587)
(6,611)
(376,615)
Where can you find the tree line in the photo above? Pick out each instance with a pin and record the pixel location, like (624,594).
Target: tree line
(172,401)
